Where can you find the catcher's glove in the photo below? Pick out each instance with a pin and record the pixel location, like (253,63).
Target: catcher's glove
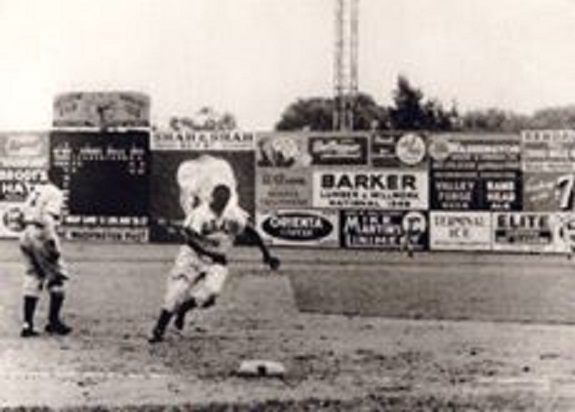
(273,262)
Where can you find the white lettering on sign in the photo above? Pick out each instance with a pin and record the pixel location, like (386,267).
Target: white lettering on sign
(565,184)
(523,221)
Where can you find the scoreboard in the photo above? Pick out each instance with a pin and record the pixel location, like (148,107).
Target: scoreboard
(104,176)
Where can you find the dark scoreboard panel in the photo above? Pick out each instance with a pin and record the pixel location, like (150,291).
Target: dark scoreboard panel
(104,176)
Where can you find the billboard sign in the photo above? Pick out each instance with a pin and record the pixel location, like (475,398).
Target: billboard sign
(549,170)
(475,172)
(548,191)
(300,227)
(16,183)
(345,150)
(548,151)
(397,149)
(24,150)
(289,188)
(101,109)
(378,229)
(565,232)
(460,230)
(390,189)
(220,140)
(282,150)
(524,232)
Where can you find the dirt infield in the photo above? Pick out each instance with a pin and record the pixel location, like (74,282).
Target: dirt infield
(334,362)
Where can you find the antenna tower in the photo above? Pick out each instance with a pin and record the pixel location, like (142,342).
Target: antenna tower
(345,63)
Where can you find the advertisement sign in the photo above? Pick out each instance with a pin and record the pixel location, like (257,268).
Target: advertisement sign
(15,186)
(101,109)
(327,149)
(304,149)
(546,192)
(16,183)
(24,150)
(300,227)
(524,232)
(565,232)
(105,234)
(549,171)
(282,150)
(387,230)
(475,172)
(23,165)
(283,189)
(460,230)
(390,189)
(548,151)
(7,211)
(397,149)
(104,176)
(165,193)
(224,140)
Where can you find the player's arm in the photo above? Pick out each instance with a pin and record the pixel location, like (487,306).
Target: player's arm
(195,240)
(191,238)
(52,246)
(254,237)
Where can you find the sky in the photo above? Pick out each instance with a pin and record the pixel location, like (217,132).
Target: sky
(253,58)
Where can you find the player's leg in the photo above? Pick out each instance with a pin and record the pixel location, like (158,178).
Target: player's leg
(190,302)
(206,292)
(31,288)
(206,288)
(176,294)
(57,295)
(185,307)
(56,275)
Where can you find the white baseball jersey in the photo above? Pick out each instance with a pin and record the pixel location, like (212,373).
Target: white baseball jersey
(39,239)
(204,279)
(44,207)
(217,234)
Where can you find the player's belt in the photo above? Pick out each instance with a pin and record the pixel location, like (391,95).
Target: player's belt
(37,225)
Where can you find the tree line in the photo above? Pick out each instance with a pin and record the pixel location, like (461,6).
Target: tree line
(410,110)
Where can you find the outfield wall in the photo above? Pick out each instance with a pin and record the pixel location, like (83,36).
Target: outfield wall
(361,190)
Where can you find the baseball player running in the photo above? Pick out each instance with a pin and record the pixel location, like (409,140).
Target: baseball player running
(200,269)
(41,250)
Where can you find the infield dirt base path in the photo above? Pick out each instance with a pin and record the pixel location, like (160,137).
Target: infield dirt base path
(334,362)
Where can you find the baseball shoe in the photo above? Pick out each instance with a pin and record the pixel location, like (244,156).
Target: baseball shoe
(180,321)
(58,328)
(28,332)
(155,338)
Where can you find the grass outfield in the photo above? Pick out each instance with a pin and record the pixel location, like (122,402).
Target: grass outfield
(334,361)
(439,288)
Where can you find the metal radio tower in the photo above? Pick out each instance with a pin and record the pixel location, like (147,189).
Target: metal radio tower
(345,63)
